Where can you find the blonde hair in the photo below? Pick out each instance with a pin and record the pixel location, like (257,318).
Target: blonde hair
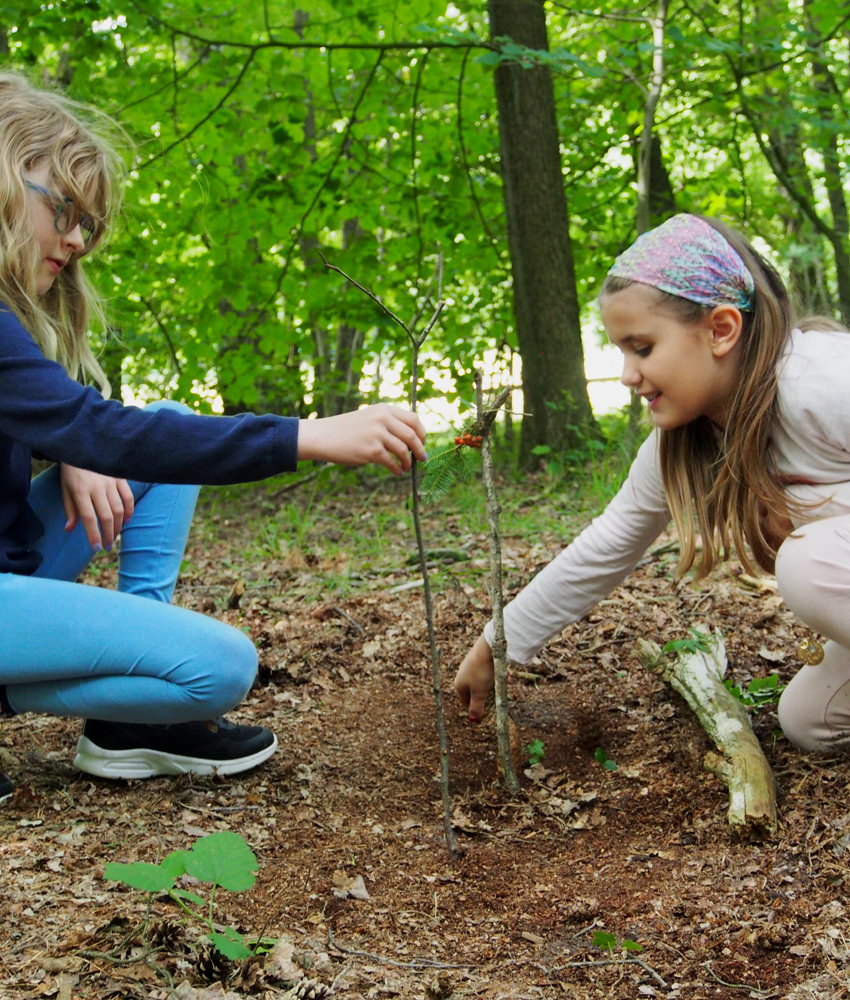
(725,480)
(40,126)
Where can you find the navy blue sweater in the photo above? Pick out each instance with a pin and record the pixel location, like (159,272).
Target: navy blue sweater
(45,411)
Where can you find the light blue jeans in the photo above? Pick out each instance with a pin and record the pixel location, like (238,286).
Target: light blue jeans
(127,655)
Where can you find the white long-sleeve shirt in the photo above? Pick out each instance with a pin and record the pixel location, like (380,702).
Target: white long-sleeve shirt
(811,443)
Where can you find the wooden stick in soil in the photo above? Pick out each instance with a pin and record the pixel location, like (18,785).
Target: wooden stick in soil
(698,677)
(416,342)
(500,652)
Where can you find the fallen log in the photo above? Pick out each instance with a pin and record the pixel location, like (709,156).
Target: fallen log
(697,674)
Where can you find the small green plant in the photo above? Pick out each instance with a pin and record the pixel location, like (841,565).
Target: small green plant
(698,643)
(535,751)
(222,859)
(602,939)
(759,692)
(604,759)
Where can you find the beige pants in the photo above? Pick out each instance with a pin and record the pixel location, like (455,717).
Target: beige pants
(813,573)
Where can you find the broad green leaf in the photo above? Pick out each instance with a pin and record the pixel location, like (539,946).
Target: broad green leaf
(602,939)
(224,859)
(140,875)
(231,943)
(174,864)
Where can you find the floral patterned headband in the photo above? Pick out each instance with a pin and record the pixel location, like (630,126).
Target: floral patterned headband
(685,256)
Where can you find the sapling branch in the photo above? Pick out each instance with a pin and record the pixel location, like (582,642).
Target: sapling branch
(416,342)
(486,416)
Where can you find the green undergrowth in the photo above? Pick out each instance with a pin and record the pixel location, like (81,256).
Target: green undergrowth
(326,532)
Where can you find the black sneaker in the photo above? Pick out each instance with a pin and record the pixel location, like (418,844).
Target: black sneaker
(6,787)
(131,750)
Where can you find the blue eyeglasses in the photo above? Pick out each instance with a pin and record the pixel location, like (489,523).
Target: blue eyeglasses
(67,217)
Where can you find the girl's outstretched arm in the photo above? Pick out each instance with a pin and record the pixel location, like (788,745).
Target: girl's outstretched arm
(585,572)
(386,435)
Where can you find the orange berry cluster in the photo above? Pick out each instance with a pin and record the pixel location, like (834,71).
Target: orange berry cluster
(472,441)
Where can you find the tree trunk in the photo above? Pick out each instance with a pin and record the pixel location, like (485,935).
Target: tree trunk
(656,82)
(546,308)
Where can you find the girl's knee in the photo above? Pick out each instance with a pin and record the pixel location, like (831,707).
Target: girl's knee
(234,669)
(813,575)
(800,725)
(226,667)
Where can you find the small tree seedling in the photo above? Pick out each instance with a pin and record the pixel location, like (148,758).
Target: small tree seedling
(698,643)
(604,759)
(602,939)
(535,751)
(761,691)
(220,859)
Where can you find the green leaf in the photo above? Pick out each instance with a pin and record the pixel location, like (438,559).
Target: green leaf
(140,875)
(609,765)
(629,945)
(224,859)
(174,864)
(191,897)
(602,939)
(231,943)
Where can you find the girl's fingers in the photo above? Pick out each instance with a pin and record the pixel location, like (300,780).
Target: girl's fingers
(127,498)
(87,515)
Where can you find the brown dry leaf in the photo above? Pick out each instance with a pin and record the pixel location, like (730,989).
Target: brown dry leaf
(463,821)
(280,962)
(349,886)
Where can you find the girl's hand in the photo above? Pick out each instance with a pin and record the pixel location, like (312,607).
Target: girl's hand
(92,498)
(383,434)
(475,678)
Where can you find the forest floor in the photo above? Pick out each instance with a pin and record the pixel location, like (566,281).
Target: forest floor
(350,802)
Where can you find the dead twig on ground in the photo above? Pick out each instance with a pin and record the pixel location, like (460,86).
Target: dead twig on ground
(417,963)
(697,674)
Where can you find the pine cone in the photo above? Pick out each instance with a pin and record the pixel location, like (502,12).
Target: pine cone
(211,965)
(308,989)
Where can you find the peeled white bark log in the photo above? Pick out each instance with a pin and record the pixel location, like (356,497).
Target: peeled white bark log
(740,765)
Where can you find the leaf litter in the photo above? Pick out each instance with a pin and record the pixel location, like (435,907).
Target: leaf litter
(354,887)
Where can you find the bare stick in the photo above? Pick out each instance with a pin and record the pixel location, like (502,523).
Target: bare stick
(416,342)
(500,652)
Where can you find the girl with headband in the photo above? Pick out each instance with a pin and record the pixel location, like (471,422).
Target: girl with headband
(146,676)
(751,441)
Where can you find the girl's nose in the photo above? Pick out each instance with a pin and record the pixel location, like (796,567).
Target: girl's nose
(630,376)
(73,239)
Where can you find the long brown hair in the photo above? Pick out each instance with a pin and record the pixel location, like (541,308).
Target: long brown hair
(725,480)
(40,126)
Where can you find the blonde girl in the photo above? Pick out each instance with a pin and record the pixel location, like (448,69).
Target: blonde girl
(751,447)
(151,680)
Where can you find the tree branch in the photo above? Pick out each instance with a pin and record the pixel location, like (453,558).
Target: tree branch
(206,118)
(464,159)
(254,47)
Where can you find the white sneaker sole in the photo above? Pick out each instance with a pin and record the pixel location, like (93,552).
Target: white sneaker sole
(149,763)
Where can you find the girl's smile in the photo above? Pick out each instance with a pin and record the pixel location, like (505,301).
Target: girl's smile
(683,371)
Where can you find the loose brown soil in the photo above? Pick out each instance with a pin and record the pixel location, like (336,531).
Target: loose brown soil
(642,852)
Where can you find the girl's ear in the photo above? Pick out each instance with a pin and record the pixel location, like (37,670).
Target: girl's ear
(725,323)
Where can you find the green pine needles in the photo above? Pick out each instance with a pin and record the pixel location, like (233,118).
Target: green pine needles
(445,467)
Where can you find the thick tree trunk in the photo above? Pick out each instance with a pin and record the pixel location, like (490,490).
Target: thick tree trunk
(546,305)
